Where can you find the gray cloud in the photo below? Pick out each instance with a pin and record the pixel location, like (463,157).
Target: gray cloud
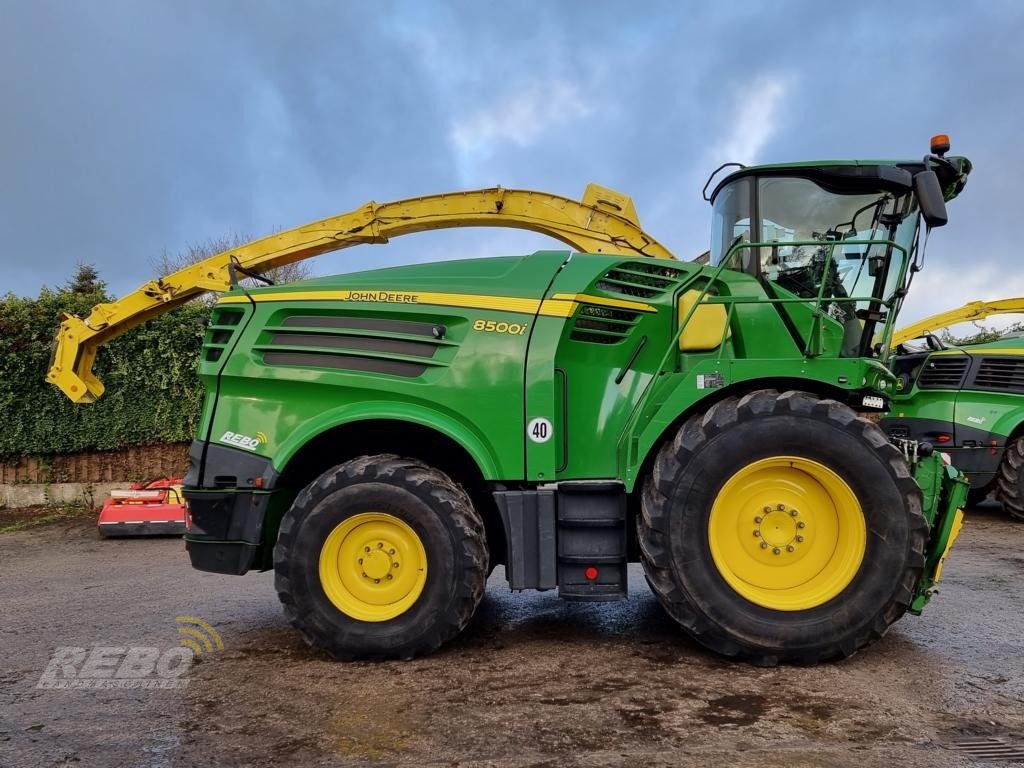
(130,128)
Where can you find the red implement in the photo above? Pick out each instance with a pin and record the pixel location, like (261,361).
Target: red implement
(146,509)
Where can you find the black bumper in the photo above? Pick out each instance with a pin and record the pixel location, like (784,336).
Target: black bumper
(225,529)
(157,528)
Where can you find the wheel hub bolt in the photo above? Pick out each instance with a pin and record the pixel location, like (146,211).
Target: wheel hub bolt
(764,545)
(801,524)
(781,507)
(767,510)
(793,513)
(380,545)
(799,538)
(758,519)
(376,581)
(391,551)
(776,551)
(790,548)
(757,533)
(360,561)
(366,549)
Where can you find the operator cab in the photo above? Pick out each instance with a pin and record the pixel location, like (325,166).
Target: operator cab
(840,233)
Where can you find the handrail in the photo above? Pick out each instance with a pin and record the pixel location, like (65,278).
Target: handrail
(703,299)
(889,301)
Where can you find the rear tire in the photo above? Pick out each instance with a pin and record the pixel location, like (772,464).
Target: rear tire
(1010,480)
(763,456)
(380,557)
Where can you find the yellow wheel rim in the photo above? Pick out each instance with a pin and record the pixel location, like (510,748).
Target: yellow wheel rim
(787,533)
(373,566)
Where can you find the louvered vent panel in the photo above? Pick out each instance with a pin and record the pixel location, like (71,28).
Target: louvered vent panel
(223,325)
(640,279)
(943,372)
(1000,373)
(363,344)
(603,325)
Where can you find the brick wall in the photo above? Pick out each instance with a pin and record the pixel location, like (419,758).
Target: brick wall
(142,462)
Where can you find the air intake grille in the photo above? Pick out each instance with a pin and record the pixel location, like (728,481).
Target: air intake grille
(1001,374)
(344,362)
(363,344)
(601,325)
(640,279)
(943,372)
(223,325)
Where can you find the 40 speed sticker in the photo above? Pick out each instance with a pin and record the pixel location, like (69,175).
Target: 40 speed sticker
(539,430)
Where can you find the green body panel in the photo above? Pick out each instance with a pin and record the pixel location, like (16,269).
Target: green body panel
(477,390)
(998,414)
(472,392)
(937,404)
(980,422)
(598,392)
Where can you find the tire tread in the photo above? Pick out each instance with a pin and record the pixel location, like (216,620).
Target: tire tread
(654,522)
(1008,479)
(429,485)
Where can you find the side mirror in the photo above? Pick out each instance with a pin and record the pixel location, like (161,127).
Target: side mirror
(930,198)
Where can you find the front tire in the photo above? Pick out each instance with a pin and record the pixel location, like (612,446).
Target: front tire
(782,528)
(380,557)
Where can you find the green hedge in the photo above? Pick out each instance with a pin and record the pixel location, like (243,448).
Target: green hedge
(153,394)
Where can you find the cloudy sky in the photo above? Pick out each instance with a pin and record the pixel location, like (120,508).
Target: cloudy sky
(133,128)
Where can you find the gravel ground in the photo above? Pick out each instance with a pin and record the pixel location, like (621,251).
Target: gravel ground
(534,681)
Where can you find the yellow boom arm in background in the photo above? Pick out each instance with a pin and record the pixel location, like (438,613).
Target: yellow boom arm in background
(604,221)
(974,310)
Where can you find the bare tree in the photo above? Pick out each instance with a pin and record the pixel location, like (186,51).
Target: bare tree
(167,262)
